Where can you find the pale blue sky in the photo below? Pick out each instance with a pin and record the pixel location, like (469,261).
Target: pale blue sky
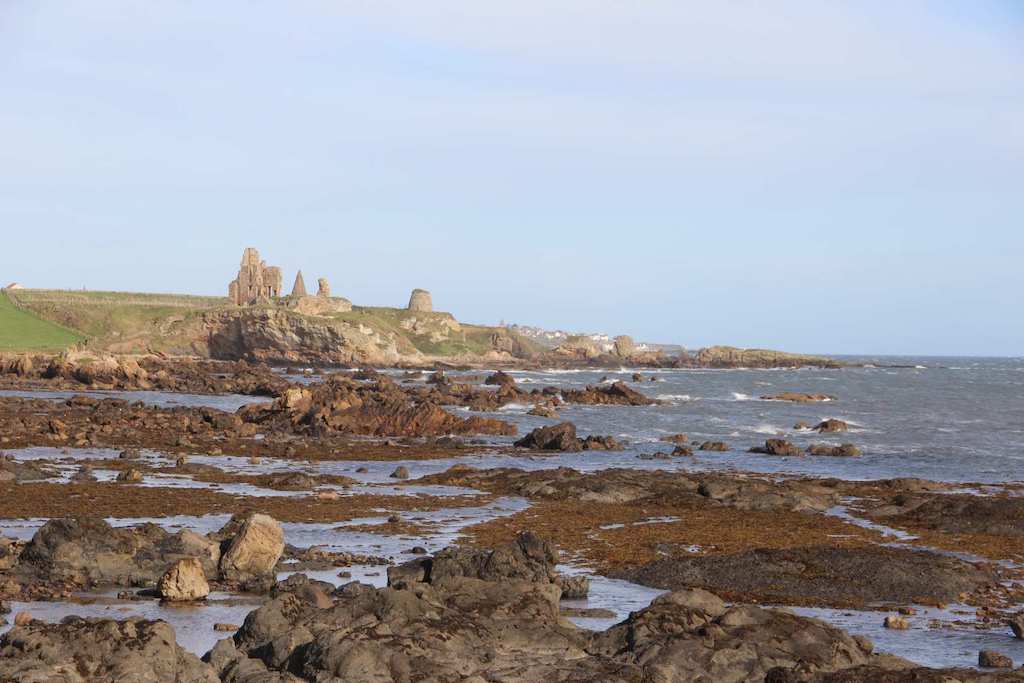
(838,177)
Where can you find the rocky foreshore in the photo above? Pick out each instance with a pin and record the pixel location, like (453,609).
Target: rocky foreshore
(112,489)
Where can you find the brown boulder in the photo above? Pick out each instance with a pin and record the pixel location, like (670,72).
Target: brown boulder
(184,581)
(254,551)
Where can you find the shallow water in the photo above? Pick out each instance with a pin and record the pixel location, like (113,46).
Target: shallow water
(953,646)
(193,624)
(163,399)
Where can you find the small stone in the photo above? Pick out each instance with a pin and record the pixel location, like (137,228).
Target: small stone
(401,472)
(909,611)
(131,476)
(682,450)
(129,454)
(394,519)
(226,627)
(896,623)
(418,550)
(990,659)
(181,462)
(344,575)
(22,618)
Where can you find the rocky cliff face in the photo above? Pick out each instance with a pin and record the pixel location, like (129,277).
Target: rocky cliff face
(276,335)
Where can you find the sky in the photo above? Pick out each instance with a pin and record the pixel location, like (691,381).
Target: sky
(833,177)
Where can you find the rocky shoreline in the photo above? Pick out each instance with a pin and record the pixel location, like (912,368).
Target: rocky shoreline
(387,458)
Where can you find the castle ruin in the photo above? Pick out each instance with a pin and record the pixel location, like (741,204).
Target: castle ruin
(421,301)
(299,288)
(256,281)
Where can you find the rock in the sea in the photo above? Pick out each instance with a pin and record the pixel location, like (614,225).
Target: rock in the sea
(778,447)
(544,410)
(500,379)
(618,393)
(796,397)
(990,659)
(831,425)
(896,623)
(185,581)
(99,651)
(562,437)
(600,443)
(717,446)
(682,450)
(731,357)
(675,438)
(400,472)
(559,437)
(254,551)
(846,450)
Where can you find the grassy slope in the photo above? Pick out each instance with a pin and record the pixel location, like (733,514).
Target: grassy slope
(132,322)
(122,320)
(22,331)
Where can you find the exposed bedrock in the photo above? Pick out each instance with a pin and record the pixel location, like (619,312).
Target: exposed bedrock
(381,408)
(839,576)
(98,650)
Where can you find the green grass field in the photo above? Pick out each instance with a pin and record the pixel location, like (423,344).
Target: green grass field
(22,331)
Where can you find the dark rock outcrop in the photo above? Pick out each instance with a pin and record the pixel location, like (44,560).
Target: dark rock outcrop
(618,393)
(831,425)
(381,408)
(777,447)
(99,650)
(562,437)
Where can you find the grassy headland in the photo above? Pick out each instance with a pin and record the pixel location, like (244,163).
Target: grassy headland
(20,330)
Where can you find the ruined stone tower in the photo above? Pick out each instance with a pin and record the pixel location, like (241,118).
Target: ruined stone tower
(421,301)
(299,288)
(323,287)
(255,281)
